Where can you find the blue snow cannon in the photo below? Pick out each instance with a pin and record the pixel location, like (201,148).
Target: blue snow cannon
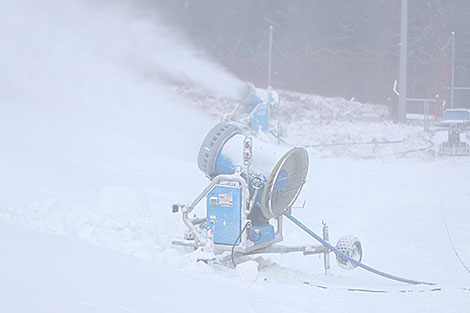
(279,170)
(252,184)
(255,108)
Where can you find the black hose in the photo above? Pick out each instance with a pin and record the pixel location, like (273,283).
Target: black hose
(387,142)
(235,242)
(428,147)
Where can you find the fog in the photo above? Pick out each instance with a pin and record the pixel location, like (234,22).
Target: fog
(334,48)
(83,63)
(92,85)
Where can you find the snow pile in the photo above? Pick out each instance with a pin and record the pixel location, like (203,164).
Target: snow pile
(141,235)
(248,270)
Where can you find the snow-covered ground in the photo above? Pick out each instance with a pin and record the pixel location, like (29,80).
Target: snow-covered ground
(96,149)
(399,209)
(332,126)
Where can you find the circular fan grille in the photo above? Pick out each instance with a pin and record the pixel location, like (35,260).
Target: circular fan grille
(285,183)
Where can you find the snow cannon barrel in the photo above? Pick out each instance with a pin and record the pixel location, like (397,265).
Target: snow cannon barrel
(256,107)
(282,169)
(252,96)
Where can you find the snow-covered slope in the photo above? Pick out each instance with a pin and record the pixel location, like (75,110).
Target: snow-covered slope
(100,125)
(43,273)
(405,235)
(331,127)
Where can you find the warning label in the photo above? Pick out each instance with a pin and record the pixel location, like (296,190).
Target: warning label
(225,199)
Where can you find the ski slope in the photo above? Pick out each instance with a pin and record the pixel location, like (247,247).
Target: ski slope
(99,138)
(404,235)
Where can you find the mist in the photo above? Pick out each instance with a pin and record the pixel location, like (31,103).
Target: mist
(90,86)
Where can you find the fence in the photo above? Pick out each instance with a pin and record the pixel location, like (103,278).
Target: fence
(365,75)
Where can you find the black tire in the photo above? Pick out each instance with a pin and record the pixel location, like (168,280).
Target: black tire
(352,247)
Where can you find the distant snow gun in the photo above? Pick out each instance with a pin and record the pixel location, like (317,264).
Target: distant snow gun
(257,106)
(255,110)
(253,186)
(456,121)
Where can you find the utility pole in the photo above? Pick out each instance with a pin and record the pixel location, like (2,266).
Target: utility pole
(403,61)
(270,55)
(452,77)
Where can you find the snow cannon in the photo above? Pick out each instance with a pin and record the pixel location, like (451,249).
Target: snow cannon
(255,108)
(275,173)
(456,121)
(253,185)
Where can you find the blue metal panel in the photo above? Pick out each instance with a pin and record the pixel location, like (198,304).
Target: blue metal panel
(261,233)
(260,119)
(224,206)
(255,100)
(224,165)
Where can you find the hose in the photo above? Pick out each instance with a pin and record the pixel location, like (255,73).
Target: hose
(353,261)
(429,146)
(235,243)
(387,142)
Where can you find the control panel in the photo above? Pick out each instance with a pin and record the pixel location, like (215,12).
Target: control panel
(224,213)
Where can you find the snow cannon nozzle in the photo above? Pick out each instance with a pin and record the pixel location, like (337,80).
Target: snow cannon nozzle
(248,94)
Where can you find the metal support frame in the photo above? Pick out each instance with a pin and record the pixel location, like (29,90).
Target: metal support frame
(457,88)
(200,237)
(326,255)
(452,87)
(426,116)
(452,90)
(270,248)
(245,248)
(423,100)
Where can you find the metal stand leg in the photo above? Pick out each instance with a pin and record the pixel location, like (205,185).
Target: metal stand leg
(209,247)
(326,255)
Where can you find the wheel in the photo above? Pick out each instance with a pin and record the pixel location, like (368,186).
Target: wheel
(351,246)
